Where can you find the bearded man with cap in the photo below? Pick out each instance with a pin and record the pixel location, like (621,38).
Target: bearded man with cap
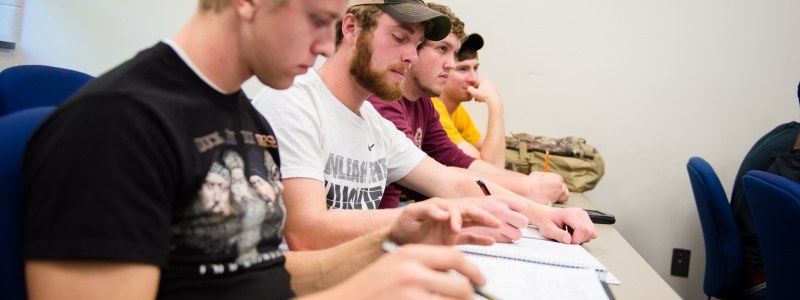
(338,154)
(414,115)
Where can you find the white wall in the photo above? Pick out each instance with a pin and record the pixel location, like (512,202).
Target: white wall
(650,83)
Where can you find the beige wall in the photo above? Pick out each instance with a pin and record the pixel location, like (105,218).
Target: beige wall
(650,83)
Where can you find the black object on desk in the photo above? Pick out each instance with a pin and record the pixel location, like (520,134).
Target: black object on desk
(599,217)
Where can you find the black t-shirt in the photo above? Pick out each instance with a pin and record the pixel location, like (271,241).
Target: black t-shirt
(773,148)
(149,164)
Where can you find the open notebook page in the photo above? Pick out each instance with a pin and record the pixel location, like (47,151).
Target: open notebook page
(545,252)
(510,279)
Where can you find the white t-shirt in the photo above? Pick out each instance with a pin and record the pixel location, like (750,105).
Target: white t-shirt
(319,138)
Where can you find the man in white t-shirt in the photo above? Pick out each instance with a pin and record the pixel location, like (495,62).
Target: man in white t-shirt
(334,146)
(197,208)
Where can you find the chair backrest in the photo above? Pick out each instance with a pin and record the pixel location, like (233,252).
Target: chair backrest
(724,252)
(15,129)
(28,86)
(775,204)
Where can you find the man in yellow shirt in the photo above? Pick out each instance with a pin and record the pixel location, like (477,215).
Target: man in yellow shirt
(463,84)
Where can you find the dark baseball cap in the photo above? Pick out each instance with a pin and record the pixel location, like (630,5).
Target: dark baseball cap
(472,42)
(412,11)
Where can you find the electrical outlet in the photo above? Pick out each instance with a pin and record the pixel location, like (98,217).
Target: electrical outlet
(680,262)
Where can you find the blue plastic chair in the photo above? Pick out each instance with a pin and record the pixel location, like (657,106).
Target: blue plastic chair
(724,252)
(775,204)
(15,129)
(28,86)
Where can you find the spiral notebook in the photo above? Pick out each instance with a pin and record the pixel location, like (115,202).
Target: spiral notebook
(545,252)
(512,279)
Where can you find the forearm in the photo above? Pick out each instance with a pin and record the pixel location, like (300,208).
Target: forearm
(482,167)
(313,271)
(493,149)
(539,189)
(498,185)
(514,184)
(507,186)
(435,180)
(534,211)
(332,227)
(91,280)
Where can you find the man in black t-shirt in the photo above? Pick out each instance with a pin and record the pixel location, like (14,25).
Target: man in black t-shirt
(776,152)
(159,179)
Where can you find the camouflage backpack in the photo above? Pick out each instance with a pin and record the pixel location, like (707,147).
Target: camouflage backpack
(580,164)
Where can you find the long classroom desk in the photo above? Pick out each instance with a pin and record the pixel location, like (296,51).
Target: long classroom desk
(639,280)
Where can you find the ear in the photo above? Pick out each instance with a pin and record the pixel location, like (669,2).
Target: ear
(245,8)
(350,28)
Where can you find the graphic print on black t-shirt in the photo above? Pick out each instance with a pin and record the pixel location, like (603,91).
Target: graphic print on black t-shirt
(358,184)
(238,212)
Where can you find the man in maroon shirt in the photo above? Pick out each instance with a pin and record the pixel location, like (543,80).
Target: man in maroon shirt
(415,115)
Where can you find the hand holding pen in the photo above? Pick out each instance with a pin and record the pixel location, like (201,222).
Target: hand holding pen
(486,192)
(506,208)
(390,247)
(548,224)
(567,229)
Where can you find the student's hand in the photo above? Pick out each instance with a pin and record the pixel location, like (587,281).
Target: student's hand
(546,188)
(486,92)
(413,272)
(440,221)
(552,221)
(508,209)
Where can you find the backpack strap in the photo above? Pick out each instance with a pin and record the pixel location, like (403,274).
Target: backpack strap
(523,148)
(525,161)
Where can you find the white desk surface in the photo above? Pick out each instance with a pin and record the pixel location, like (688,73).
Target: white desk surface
(639,280)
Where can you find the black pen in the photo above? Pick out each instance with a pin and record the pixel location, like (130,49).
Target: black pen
(483,186)
(391,247)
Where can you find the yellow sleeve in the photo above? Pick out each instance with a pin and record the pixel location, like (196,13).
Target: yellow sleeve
(466,128)
(447,122)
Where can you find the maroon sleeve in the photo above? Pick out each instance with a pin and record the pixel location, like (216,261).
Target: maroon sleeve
(408,116)
(436,142)
(396,112)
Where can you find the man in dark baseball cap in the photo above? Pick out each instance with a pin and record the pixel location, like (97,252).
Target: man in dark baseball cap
(413,11)
(464,84)
(338,153)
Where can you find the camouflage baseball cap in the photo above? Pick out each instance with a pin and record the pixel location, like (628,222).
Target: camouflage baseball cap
(412,11)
